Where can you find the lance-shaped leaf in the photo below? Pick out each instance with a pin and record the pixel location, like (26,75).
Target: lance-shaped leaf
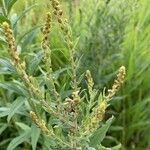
(99,135)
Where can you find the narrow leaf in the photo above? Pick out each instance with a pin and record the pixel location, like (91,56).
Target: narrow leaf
(4,111)
(117,147)
(100,134)
(16,87)
(3,18)
(6,67)
(23,14)
(22,125)
(34,62)
(4,126)
(10,4)
(15,106)
(18,140)
(35,134)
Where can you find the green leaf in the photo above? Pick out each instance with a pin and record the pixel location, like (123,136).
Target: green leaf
(22,125)
(29,38)
(117,147)
(14,86)
(2,41)
(58,72)
(35,134)
(15,106)
(18,140)
(100,134)
(9,4)
(3,19)
(23,37)
(23,14)
(34,62)
(5,141)
(3,127)
(6,67)
(4,111)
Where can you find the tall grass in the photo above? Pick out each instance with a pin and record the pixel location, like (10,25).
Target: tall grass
(119,32)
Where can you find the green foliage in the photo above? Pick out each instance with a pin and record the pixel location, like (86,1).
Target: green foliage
(18,140)
(35,133)
(109,33)
(53,98)
(99,135)
(118,32)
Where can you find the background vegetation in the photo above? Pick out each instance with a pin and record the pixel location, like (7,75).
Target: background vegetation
(110,33)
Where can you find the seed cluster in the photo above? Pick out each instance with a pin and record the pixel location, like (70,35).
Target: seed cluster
(20,66)
(63,23)
(11,42)
(117,83)
(99,111)
(46,31)
(40,123)
(13,51)
(89,79)
(71,104)
(45,43)
(47,55)
(96,117)
(67,36)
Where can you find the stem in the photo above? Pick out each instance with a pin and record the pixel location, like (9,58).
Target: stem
(57,114)
(61,141)
(73,67)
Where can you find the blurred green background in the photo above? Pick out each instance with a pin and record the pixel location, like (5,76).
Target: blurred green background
(111,33)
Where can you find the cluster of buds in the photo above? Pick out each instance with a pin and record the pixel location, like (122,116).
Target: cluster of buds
(47,55)
(45,45)
(76,97)
(40,123)
(13,51)
(57,10)
(63,23)
(67,36)
(96,117)
(99,111)
(46,30)
(89,79)
(33,85)
(11,42)
(20,66)
(71,104)
(117,83)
